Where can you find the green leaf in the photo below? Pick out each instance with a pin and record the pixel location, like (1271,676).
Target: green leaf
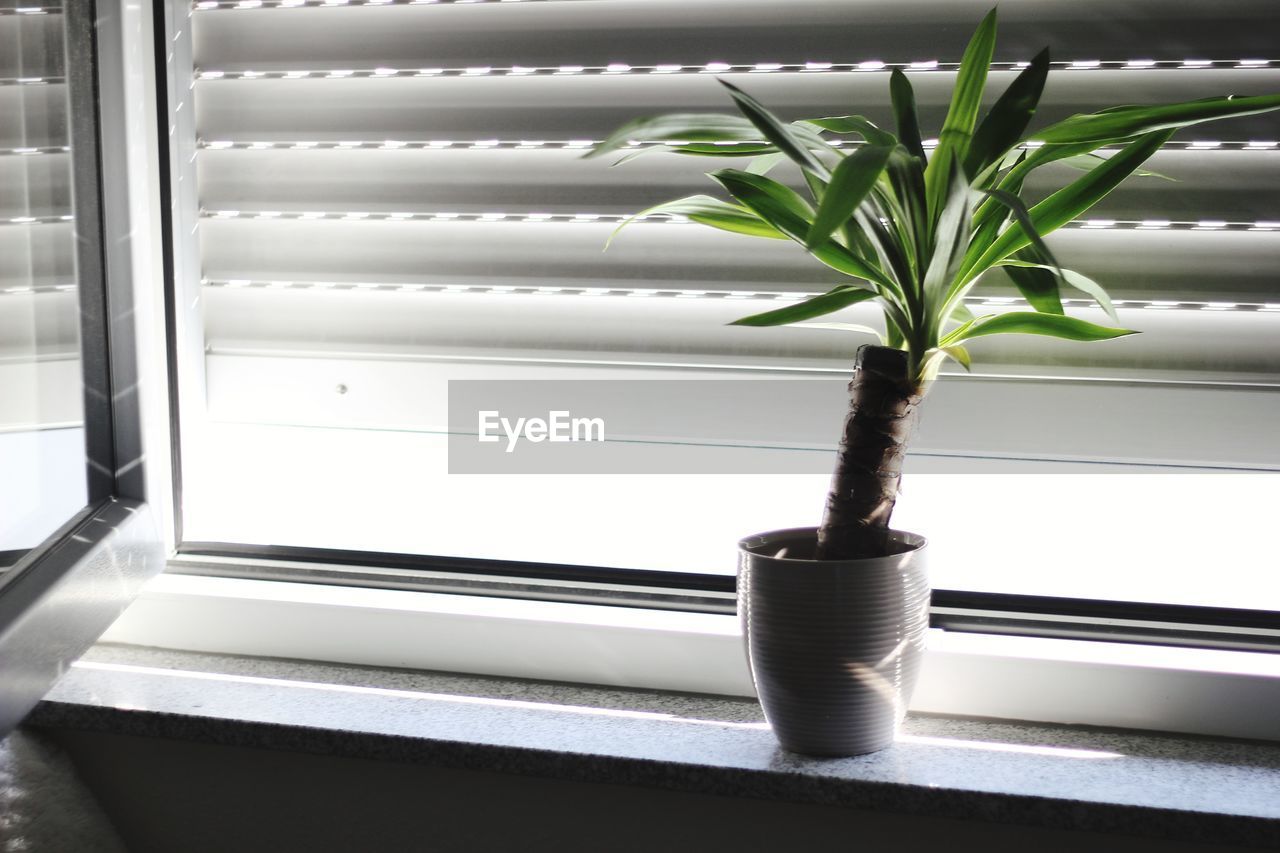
(904,112)
(1089,162)
(1071,201)
(893,336)
(809,135)
(950,242)
(757,147)
(1038,284)
(960,355)
(834,300)
(990,217)
(764,163)
(852,179)
(957,129)
(860,125)
(906,178)
(1035,323)
(1127,121)
(706,210)
(775,131)
(960,313)
(843,327)
(698,149)
(933,360)
(1008,117)
(1034,158)
(715,149)
(1038,287)
(955,352)
(889,251)
(785,210)
(1023,217)
(679,127)
(1027,161)
(787,199)
(958,334)
(1080,282)
(858,241)
(633,154)
(951,239)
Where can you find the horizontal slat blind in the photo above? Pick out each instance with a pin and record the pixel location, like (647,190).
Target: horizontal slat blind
(643,32)
(1235,185)
(668,329)
(39,320)
(42,447)
(404,178)
(505,106)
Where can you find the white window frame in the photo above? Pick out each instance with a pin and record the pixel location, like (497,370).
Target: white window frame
(1201,691)
(1197,691)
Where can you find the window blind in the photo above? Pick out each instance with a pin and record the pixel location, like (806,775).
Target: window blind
(39,320)
(42,443)
(393,180)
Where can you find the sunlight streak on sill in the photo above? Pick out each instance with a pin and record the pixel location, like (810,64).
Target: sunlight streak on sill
(1024,749)
(415,695)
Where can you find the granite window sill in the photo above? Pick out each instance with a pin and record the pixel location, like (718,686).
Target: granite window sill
(1191,789)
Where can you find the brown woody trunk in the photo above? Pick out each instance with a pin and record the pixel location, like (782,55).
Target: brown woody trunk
(883,401)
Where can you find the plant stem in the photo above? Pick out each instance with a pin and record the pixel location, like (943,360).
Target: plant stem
(883,401)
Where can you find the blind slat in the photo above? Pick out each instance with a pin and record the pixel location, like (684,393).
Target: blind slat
(33,116)
(592,106)
(669,330)
(1154,264)
(1227,185)
(38,326)
(30,46)
(643,31)
(36,255)
(37,186)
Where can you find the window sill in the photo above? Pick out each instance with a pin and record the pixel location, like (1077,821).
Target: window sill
(1194,691)
(1053,777)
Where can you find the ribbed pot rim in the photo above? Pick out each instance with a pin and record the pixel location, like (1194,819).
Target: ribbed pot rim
(764,546)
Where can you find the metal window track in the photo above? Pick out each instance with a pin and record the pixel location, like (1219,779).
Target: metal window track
(952,610)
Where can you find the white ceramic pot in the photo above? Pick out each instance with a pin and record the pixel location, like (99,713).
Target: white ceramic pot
(834,645)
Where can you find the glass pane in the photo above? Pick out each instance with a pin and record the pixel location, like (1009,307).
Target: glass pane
(383,200)
(42,471)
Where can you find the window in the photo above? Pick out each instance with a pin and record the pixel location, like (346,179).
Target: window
(374,199)
(76,535)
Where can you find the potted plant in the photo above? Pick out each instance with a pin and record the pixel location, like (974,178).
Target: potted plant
(834,616)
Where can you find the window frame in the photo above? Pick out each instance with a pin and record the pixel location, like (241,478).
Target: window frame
(1041,679)
(1129,629)
(58,599)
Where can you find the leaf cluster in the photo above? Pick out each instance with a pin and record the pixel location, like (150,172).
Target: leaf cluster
(912,229)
